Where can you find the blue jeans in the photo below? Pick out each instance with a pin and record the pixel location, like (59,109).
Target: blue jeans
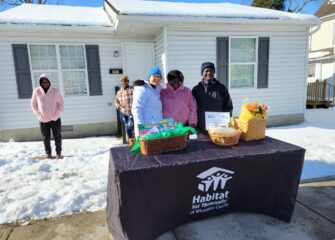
(128,122)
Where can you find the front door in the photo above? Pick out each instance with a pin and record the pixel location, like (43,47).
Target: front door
(138,58)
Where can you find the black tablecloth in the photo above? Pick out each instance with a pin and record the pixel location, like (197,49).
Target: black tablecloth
(148,196)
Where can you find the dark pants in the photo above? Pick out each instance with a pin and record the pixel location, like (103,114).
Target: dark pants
(128,122)
(56,128)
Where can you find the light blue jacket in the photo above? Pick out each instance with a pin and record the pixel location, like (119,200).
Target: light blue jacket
(147,104)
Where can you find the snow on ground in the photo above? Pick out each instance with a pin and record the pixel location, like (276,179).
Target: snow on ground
(317,136)
(31,189)
(45,188)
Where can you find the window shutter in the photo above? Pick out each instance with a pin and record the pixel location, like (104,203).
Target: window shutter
(222,49)
(93,69)
(263,62)
(22,71)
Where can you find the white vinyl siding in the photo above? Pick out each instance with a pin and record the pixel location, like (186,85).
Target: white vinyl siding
(189,48)
(16,113)
(159,50)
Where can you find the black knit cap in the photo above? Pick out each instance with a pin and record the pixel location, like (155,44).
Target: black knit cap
(175,74)
(207,65)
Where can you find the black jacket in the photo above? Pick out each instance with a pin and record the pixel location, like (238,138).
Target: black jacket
(213,98)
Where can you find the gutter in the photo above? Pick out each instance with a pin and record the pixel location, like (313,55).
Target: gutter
(311,33)
(5,27)
(173,19)
(328,17)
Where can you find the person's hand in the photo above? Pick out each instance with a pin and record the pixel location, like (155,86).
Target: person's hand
(192,125)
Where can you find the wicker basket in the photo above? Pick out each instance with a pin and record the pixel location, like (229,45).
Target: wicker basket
(154,146)
(253,129)
(223,139)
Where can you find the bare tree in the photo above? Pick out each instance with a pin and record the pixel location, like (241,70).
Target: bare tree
(8,3)
(298,5)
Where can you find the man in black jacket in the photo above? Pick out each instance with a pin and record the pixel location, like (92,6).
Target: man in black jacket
(210,95)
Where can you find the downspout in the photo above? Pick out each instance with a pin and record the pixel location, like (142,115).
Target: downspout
(308,48)
(165,64)
(311,33)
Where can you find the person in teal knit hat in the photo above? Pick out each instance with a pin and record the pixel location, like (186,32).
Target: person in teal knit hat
(147,104)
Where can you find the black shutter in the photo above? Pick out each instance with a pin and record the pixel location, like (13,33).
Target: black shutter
(22,70)
(222,50)
(263,62)
(93,69)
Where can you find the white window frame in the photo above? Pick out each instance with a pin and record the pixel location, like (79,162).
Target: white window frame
(243,63)
(59,67)
(42,70)
(333,35)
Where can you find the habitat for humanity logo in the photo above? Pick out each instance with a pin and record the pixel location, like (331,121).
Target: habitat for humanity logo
(214,177)
(212,182)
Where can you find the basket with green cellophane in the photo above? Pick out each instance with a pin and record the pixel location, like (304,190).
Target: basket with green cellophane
(163,140)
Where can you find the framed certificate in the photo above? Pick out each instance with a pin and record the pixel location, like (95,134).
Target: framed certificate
(217,119)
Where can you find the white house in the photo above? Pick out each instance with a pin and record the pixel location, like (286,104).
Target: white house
(260,54)
(322,44)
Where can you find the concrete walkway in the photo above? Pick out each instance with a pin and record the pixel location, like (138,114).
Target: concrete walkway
(313,218)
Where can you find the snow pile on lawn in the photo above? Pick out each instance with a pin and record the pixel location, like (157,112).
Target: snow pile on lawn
(317,136)
(31,189)
(34,189)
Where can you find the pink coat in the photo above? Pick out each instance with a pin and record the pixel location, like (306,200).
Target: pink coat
(179,104)
(47,106)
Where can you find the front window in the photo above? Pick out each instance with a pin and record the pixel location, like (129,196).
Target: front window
(243,55)
(43,60)
(73,69)
(66,65)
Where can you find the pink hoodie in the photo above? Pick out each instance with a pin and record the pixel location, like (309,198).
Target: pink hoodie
(179,104)
(47,106)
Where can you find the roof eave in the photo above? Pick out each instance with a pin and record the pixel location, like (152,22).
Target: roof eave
(189,19)
(5,27)
(318,59)
(329,16)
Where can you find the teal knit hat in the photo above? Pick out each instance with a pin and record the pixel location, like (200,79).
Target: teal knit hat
(153,71)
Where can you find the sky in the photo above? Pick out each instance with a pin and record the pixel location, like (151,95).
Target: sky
(309,9)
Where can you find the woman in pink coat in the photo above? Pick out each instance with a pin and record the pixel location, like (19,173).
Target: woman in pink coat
(178,101)
(47,104)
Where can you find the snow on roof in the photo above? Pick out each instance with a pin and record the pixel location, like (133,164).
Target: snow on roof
(318,54)
(218,10)
(55,15)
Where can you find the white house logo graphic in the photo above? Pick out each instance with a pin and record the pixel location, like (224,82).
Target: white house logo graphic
(214,177)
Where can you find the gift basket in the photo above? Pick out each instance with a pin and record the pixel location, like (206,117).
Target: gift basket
(160,145)
(224,136)
(252,121)
(161,137)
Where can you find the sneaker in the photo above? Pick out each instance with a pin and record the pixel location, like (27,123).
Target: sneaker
(49,156)
(59,156)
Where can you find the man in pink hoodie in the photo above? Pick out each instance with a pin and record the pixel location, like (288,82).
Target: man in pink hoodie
(178,101)
(47,104)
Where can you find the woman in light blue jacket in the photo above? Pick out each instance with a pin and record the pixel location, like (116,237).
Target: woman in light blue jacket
(147,105)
